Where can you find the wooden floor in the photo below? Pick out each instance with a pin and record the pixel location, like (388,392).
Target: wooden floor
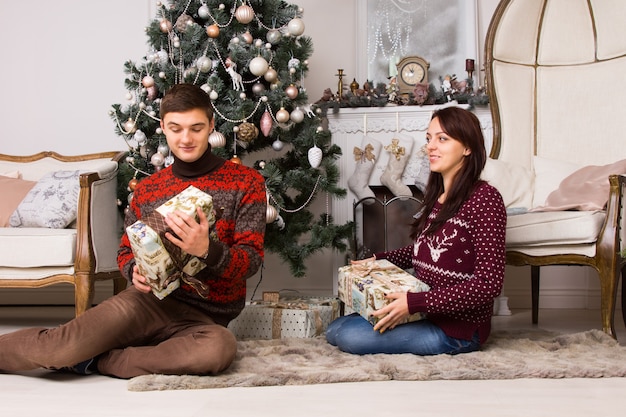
(51,394)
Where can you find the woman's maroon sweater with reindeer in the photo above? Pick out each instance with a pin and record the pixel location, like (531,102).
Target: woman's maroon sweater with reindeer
(462,262)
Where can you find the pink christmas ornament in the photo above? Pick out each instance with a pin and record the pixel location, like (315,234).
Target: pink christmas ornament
(266,123)
(244,14)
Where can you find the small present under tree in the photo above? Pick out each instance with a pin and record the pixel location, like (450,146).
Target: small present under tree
(251,57)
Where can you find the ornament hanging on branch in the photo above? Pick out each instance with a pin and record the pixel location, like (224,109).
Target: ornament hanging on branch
(266,123)
(247,133)
(244,14)
(217,140)
(315,156)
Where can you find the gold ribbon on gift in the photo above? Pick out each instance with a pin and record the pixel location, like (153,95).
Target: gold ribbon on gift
(365,267)
(363,155)
(277,322)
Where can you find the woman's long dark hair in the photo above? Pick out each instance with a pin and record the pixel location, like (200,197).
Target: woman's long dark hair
(463,126)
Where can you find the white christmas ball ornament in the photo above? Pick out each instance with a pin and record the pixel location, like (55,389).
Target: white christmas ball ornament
(296,26)
(140,137)
(273,36)
(217,139)
(158,159)
(258,66)
(163,149)
(130,127)
(213,95)
(204,64)
(277,145)
(203,12)
(315,156)
(297,115)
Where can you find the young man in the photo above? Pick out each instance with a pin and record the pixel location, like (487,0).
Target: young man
(135,333)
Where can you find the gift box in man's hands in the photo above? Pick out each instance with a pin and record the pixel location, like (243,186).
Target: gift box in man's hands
(157,258)
(363,285)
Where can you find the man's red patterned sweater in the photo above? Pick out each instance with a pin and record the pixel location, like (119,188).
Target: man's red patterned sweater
(239,192)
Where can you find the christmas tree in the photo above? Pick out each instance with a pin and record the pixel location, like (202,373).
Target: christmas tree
(251,57)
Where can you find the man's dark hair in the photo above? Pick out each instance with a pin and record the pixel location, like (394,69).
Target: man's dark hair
(184,97)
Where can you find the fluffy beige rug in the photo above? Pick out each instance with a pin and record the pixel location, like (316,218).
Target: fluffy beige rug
(507,355)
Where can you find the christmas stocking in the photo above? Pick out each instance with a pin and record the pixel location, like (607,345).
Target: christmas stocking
(399,153)
(365,158)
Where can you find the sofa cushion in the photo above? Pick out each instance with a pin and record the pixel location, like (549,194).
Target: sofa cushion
(548,176)
(52,202)
(585,189)
(13,191)
(514,182)
(37,247)
(553,228)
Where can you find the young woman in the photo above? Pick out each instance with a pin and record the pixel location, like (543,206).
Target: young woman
(458,251)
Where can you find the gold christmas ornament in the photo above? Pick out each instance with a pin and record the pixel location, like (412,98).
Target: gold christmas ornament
(132,184)
(270,75)
(282,115)
(213,31)
(165,26)
(235,160)
(247,132)
(244,14)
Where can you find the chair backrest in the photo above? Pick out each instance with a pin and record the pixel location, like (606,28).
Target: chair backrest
(555,72)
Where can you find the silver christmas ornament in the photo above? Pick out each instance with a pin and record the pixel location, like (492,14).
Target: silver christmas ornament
(278,145)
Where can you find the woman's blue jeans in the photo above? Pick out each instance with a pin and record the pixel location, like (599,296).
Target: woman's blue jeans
(354,334)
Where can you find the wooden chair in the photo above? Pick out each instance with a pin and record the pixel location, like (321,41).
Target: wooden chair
(554,73)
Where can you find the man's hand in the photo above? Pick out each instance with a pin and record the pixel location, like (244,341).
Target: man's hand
(191,236)
(139,281)
(394,313)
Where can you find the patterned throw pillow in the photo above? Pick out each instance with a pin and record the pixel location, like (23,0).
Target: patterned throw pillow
(52,202)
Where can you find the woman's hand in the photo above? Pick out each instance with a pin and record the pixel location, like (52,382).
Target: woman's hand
(191,236)
(140,282)
(394,313)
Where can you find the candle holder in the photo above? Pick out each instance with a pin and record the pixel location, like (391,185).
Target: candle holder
(469,67)
(340,84)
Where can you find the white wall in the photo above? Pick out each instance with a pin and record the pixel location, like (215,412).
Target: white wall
(63,68)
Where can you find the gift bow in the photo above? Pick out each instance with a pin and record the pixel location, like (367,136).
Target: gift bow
(364,155)
(396,150)
(364,267)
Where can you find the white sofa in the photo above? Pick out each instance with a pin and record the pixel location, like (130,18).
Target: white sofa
(66,226)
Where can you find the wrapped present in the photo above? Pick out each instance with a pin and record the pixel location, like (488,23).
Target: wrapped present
(362,286)
(158,259)
(289,317)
